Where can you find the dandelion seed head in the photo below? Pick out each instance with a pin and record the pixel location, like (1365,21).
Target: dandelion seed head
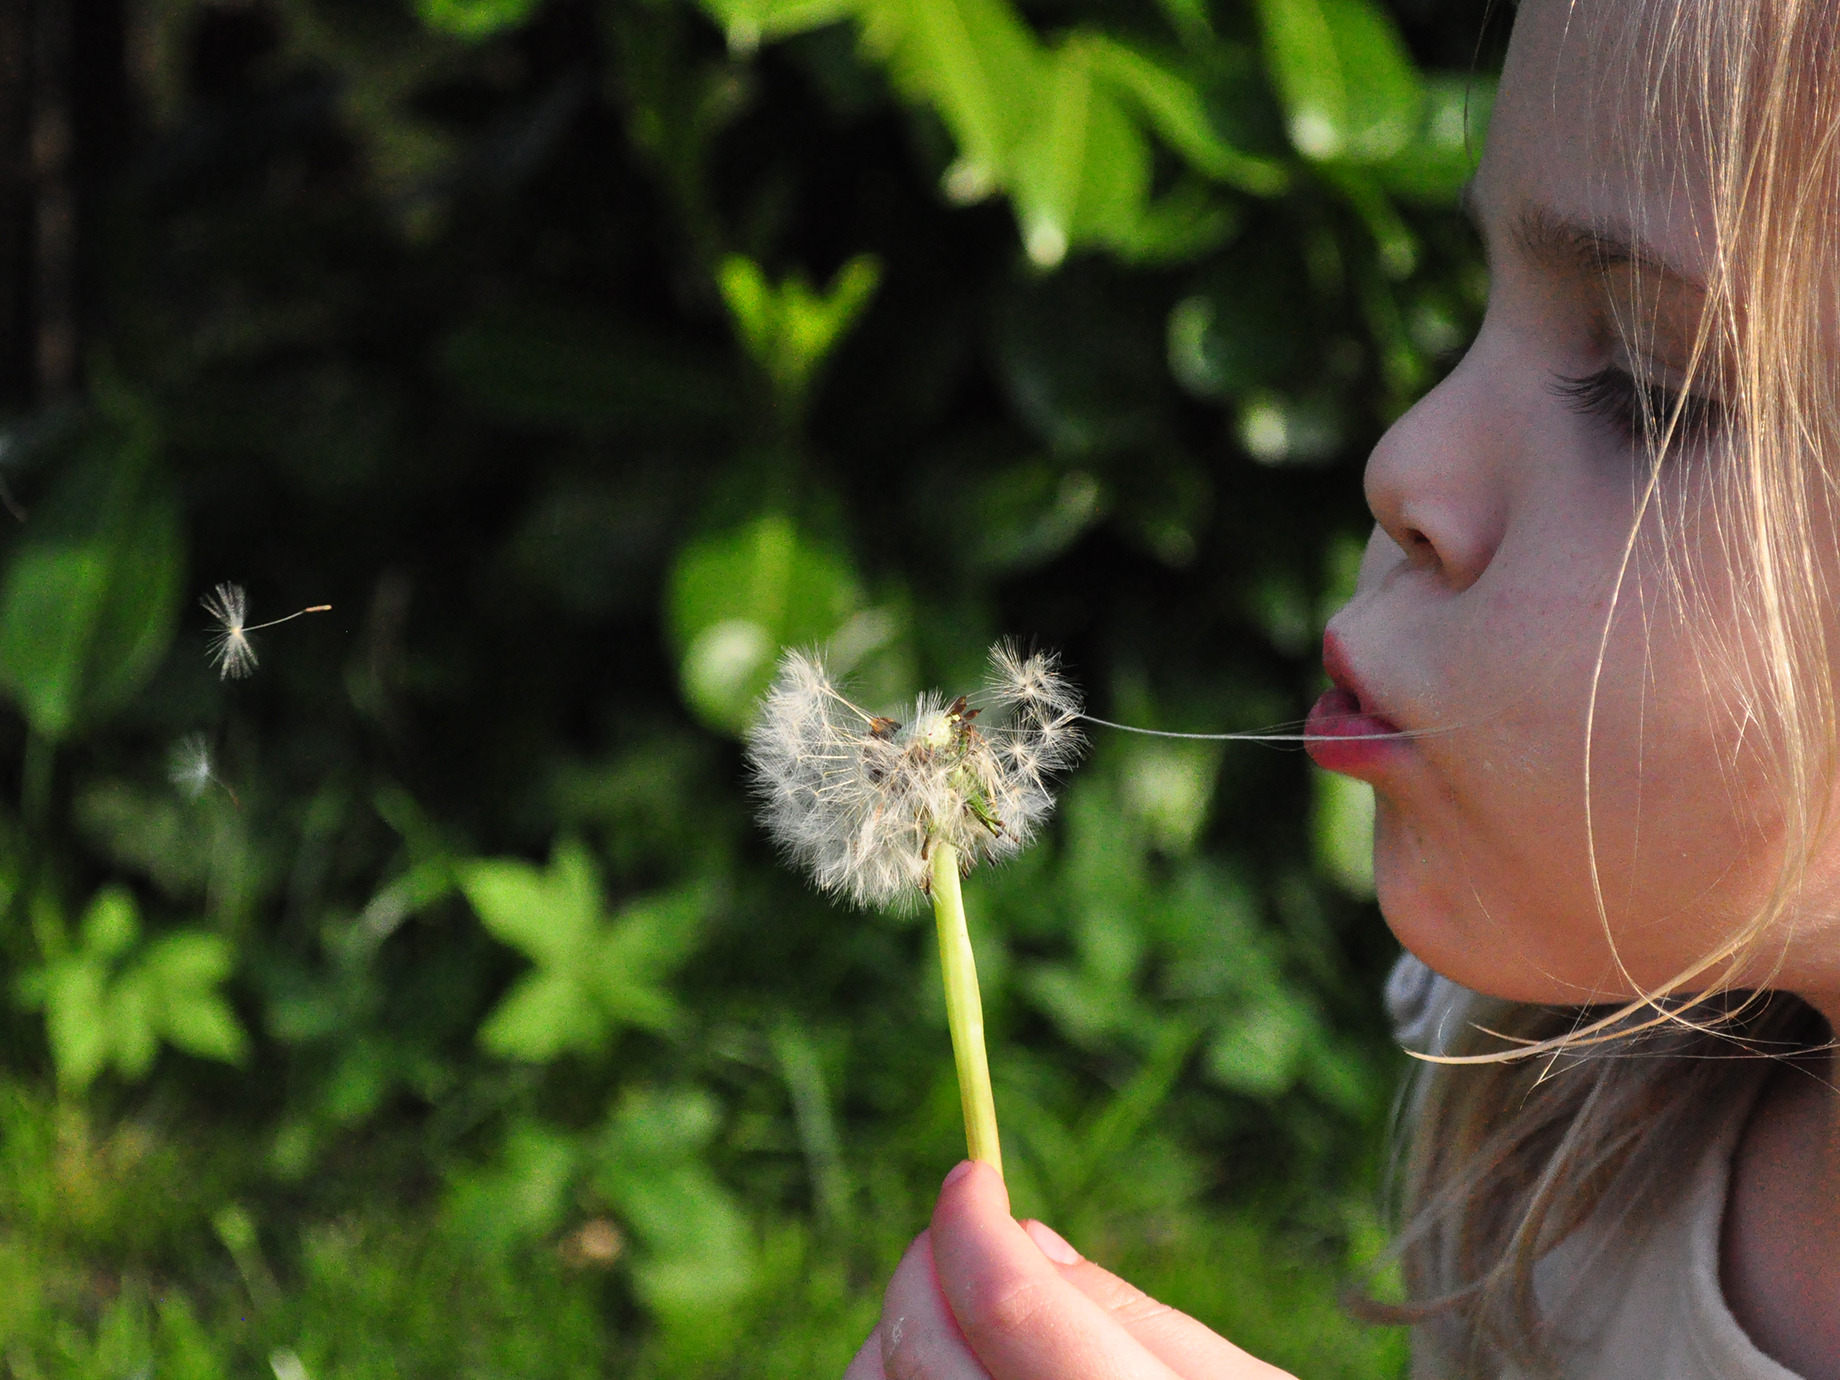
(229,650)
(189,766)
(859,801)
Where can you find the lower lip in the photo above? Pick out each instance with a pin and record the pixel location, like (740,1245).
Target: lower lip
(1339,737)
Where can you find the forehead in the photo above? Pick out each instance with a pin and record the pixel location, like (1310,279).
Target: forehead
(1580,134)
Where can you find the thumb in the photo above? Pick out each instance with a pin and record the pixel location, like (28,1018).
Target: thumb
(1177,1340)
(1024,1321)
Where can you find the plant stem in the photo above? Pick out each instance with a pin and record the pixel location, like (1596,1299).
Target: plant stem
(35,784)
(964,1010)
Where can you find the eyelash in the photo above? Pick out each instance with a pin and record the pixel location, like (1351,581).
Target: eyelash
(1630,407)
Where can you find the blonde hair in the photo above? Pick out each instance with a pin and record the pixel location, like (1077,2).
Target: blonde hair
(1549,1115)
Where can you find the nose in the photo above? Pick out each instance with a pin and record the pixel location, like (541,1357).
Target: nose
(1435,483)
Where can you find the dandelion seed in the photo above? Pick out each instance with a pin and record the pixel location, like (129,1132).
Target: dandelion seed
(190,768)
(230,650)
(860,801)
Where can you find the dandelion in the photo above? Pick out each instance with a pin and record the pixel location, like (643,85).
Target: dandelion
(230,651)
(190,768)
(883,811)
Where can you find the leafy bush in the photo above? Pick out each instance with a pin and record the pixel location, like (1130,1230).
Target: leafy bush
(427,1003)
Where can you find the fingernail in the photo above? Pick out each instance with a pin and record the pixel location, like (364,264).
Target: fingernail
(1051,1243)
(959,1170)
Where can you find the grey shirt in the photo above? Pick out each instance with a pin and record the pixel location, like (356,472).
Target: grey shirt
(1630,1298)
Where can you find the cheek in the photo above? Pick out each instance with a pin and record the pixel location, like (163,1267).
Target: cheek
(1498,867)
(1477,894)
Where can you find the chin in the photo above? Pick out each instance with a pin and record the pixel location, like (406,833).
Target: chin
(1428,898)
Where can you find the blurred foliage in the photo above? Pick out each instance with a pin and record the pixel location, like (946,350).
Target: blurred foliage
(451,1018)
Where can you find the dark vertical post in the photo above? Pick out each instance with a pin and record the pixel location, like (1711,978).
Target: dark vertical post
(16,204)
(54,227)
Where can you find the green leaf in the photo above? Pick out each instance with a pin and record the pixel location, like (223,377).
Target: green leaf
(202,1023)
(1349,87)
(547,1014)
(90,598)
(115,1000)
(593,977)
(547,914)
(649,940)
(182,972)
(737,599)
(188,959)
(129,1009)
(111,924)
(1177,112)
(1260,1053)
(1342,828)
(1433,169)
(695,1252)
(749,23)
(1084,172)
(789,329)
(76,1022)
(474,20)
(48,610)
(521,1196)
(974,61)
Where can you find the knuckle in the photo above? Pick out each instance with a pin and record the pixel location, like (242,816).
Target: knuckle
(902,1359)
(1141,1309)
(1009,1306)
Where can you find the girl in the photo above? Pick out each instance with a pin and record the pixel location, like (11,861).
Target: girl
(1591,674)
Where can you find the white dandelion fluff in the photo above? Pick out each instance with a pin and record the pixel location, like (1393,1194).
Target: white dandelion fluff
(861,801)
(230,650)
(189,766)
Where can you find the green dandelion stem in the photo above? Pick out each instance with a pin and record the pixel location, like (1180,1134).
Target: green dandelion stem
(964,1009)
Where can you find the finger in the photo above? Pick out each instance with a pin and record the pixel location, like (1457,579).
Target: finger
(920,1339)
(867,1363)
(1177,1340)
(1022,1319)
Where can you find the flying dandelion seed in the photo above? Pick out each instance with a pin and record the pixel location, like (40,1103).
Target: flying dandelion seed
(192,770)
(883,811)
(189,767)
(859,802)
(230,650)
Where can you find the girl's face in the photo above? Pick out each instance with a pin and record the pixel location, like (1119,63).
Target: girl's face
(1489,600)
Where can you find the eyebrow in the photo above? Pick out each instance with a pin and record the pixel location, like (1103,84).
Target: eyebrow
(1568,244)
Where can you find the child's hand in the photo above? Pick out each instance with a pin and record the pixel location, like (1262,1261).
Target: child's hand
(979,1297)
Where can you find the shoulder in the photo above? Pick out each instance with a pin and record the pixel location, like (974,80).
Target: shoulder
(1641,1291)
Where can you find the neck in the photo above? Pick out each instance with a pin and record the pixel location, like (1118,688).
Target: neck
(1782,1218)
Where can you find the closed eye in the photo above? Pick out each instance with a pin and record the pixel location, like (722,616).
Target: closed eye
(1635,408)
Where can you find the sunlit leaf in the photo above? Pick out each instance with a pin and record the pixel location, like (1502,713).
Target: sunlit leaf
(695,1253)
(789,328)
(90,598)
(593,976)
(114,1000)
(978,64)
(474,19)
(1179,115)
(1349,87)
(748,23)
(1442,156)
(1084,172)
(1342,828)
(736,599)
